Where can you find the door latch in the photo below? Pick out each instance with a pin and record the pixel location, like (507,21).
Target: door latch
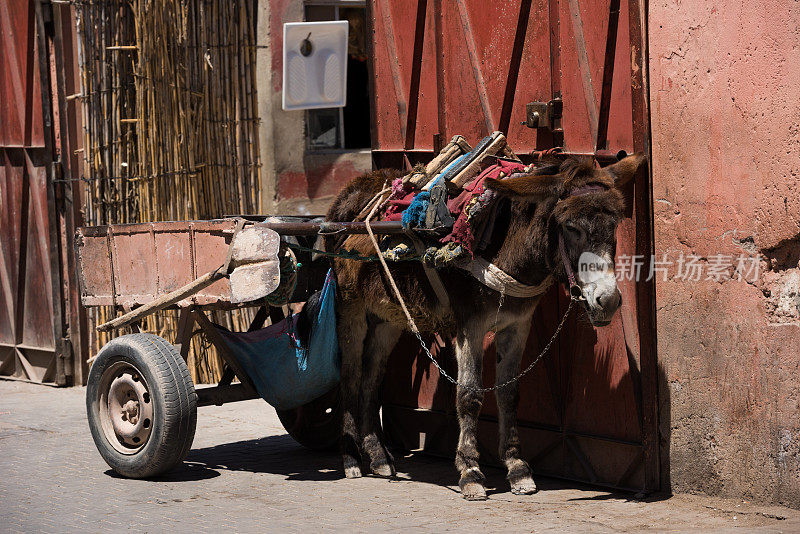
(544,115)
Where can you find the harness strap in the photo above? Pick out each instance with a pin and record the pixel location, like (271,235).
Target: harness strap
(432,274)
(565,260)
(495,278)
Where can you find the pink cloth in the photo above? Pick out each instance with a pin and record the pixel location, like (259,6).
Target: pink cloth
(396,206)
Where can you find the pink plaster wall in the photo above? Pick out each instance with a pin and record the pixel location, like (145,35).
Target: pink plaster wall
(725,105)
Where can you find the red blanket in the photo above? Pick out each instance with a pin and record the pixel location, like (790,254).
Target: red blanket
(473,206)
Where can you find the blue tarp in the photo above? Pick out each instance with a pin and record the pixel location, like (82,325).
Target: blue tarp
(285,374)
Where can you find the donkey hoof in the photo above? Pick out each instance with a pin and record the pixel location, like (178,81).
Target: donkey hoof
(353,471)
(352,468)
(473,491)
(383,469)
(523,486)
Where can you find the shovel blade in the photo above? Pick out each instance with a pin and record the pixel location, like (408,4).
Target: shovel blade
(254,281)
(254,259)
(254,244)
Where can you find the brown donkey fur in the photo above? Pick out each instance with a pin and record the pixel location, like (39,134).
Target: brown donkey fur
(525,245)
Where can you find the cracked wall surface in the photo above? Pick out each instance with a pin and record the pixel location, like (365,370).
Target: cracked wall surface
(725,111)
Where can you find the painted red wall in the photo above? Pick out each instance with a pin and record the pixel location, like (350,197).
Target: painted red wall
(725,104)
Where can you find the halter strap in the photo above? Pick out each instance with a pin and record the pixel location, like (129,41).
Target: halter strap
(575,290)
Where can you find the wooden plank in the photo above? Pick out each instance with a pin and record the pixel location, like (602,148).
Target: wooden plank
(393,60)
(645,291)
(466,27)
(219,395)
(583,63)
(601,142)
(164,301)
(416,73)
(20,94)
(63,368)
(513,67)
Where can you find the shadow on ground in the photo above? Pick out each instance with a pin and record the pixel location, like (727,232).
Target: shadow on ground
(281,455)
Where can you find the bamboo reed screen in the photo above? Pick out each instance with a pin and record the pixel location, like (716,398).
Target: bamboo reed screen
(170,124)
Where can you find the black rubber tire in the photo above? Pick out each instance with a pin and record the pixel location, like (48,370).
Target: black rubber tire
(174,404)
(317,424)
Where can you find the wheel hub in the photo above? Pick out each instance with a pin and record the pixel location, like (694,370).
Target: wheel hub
(129,410)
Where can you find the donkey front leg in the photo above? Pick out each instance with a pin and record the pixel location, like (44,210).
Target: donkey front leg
(381,339)
(469,354)
(510,344)
(351,328)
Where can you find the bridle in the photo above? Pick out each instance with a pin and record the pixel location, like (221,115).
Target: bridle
(575,290)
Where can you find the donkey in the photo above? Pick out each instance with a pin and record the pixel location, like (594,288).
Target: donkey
(553,215)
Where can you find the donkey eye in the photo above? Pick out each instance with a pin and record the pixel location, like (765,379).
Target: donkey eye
(574,230)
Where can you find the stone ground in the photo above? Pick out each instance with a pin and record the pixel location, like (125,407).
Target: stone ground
(245,474)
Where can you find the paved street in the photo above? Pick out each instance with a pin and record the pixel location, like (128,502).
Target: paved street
(245,474)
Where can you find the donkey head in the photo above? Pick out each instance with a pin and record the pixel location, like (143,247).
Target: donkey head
(586,206)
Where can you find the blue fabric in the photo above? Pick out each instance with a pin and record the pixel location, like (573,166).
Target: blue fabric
(453,164)
(285,374)
(414,214)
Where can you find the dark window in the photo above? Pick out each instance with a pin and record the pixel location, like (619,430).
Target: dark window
(347,127)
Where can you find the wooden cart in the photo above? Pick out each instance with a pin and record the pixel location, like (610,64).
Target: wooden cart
(141,401)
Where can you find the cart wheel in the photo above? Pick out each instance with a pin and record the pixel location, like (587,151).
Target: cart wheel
(315,425)
(141,405)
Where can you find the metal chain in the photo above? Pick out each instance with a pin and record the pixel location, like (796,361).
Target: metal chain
(499,307)
(506,383)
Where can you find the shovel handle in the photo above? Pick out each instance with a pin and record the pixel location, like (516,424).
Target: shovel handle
(165,300)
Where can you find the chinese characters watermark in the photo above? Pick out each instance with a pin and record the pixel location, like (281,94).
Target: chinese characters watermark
(688,268)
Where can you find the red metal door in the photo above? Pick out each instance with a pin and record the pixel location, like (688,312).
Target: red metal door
(31,272)
(446,67)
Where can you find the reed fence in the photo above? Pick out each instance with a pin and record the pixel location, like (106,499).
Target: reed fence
(170,116)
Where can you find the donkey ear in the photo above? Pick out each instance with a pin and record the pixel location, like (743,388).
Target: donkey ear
(625,169)
(531,187)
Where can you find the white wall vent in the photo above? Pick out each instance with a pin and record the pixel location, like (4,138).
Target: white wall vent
(314,64)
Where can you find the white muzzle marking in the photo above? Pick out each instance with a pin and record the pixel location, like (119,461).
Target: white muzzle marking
(599,285)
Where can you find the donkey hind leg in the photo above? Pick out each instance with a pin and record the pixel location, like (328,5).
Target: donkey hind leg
(469,354)
(351,329)
(510,344)
(381,339)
